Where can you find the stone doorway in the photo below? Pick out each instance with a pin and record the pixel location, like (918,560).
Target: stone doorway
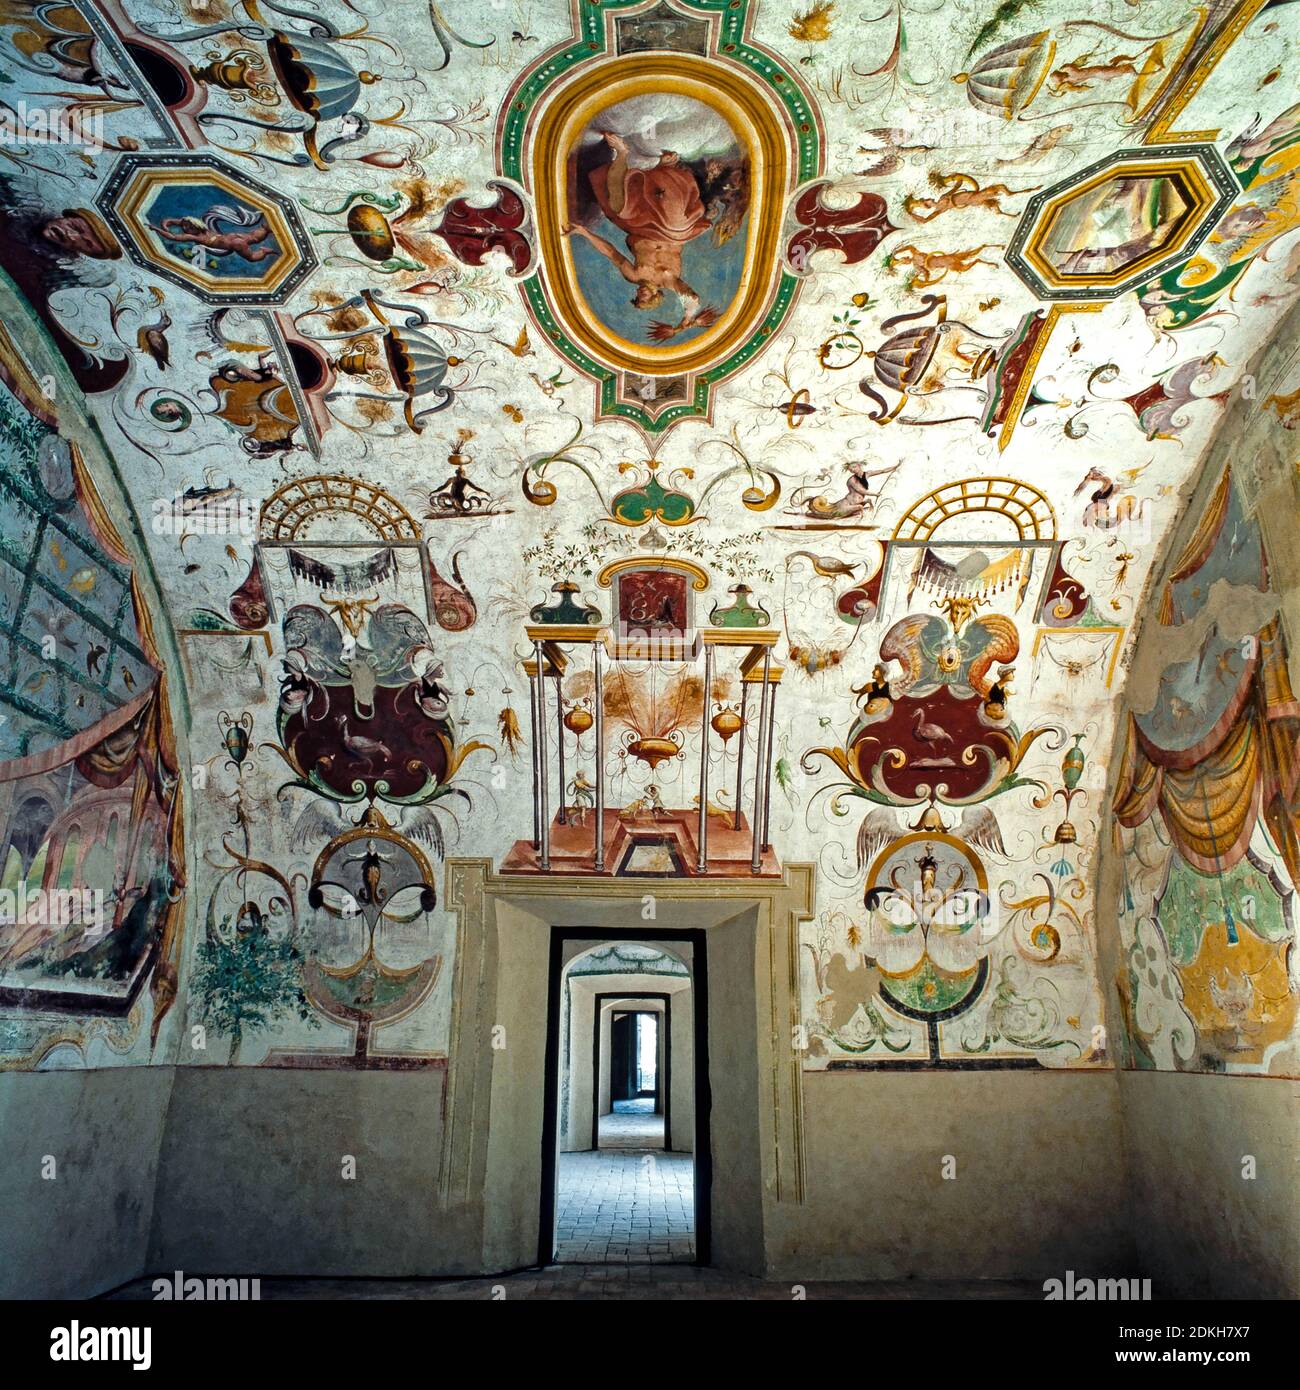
(496,1180)
(623,1088)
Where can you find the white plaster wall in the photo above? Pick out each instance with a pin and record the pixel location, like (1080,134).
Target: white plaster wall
(1204,1227)
(1038,1188)
(251,1179)
(1049,1176)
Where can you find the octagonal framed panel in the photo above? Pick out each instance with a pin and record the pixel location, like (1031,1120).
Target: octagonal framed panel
(209,229)
(1118,223)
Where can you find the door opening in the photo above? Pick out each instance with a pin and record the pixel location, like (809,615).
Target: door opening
(639,1110)
(626,1165)
(647,1058)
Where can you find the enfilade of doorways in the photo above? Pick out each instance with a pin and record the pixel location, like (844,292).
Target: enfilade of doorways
(625,1171)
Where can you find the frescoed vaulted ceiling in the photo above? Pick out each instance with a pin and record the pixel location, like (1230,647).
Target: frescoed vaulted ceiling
(649,440)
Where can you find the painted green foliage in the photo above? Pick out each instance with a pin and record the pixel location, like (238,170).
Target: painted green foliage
(245,981)
(1193,901)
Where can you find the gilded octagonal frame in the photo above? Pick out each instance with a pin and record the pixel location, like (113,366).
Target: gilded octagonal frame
(134,187)
(1204,182)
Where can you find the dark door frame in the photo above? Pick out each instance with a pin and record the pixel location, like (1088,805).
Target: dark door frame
(702,1153)
(661,1082)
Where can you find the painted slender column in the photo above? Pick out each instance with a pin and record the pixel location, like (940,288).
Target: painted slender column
(544,809)
(598,855)
(740,753)
(767,772)
(561,815)
(756,860)
(533,729)
(702,859)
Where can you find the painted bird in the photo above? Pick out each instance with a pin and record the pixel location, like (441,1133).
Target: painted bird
(359,746)
(886,164)
(521,347)
(93,657)
(895,135)
(152,338)
(57,625)
(896,142)
(826,565)
(929,733)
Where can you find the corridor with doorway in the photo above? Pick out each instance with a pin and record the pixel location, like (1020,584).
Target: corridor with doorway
(632,1124)
(625,1177)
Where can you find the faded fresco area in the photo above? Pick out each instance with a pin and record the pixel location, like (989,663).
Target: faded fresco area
(646,441)
(1206,850)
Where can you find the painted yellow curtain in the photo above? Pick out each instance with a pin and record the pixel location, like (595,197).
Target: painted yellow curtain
(1211,808)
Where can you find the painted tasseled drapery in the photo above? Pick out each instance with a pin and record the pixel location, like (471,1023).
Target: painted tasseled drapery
(1199,545)
(1211,807)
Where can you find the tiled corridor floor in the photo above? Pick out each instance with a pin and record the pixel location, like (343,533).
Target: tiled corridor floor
(633,1125)
(625,1207)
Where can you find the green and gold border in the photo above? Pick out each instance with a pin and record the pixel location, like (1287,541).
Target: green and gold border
(732,60)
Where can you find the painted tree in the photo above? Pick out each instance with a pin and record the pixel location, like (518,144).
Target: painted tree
(247,980)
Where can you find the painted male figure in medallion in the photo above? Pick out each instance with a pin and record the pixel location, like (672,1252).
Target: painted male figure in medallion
(664,171)
(660,209)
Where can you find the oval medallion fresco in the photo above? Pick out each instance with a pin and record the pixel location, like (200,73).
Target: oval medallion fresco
(660,182)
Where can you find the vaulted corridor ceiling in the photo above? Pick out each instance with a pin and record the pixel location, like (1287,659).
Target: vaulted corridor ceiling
(646,438)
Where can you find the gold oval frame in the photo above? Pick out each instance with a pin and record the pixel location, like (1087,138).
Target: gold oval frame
(760,131)
(934,837)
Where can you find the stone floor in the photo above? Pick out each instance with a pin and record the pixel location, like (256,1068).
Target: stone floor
(625,1207)
(628,1202)
(620,1281)
(633,1125)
